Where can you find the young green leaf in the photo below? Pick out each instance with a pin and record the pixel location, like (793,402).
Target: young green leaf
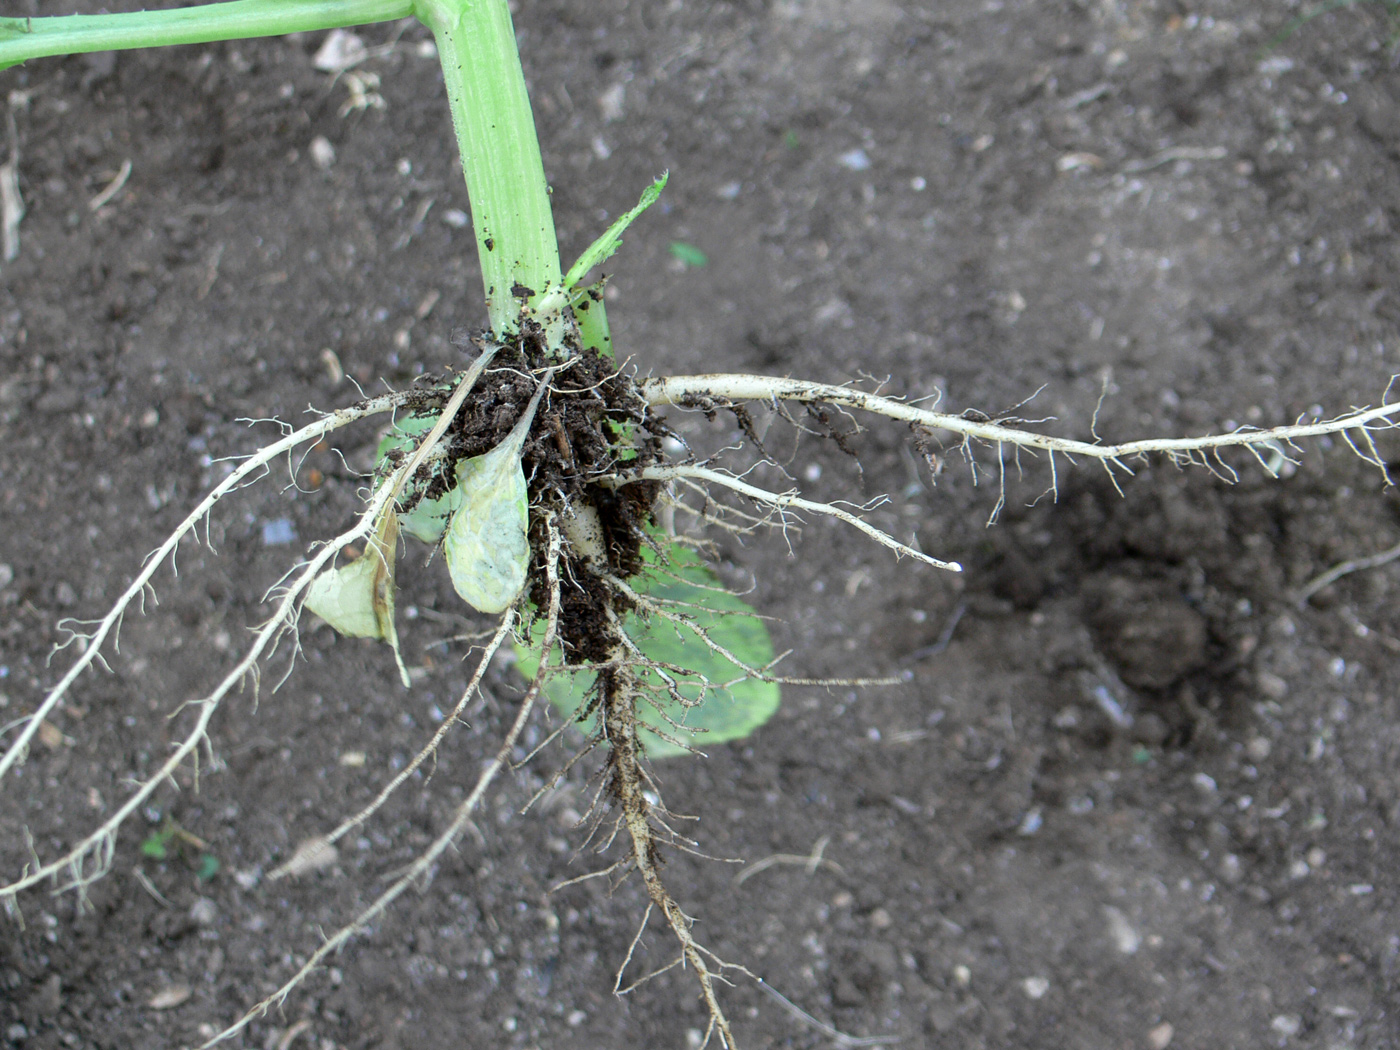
(601,249)
(428,519)
(689,255)
(591,316)
(155,844)
(358,599)
(488,544)
(728,713)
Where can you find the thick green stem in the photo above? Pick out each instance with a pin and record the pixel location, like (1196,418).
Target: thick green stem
(500,158)
(25,38)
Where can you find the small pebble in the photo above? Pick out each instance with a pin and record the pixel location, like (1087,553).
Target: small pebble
(169,997)
(855,160)
(204,912)
(1151,729)
(1035,987)
(1161,1037)
(7,575)
(1287,1024)
(50,735)
(311,854)
(1127,939)
(322,152)
(1231,869)
(278,533)
(610,102)
(339,51)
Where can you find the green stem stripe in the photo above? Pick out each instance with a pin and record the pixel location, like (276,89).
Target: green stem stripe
(500,158)
(26,38)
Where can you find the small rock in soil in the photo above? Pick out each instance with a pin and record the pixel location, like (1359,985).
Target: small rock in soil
(1153,637)
(1035,987)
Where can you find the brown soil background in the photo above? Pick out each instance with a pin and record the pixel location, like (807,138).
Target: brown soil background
(1059,193)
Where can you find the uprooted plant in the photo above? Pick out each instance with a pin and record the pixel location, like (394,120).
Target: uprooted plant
(540,470)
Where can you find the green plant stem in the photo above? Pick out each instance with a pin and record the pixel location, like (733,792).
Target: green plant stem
(25,38)
(500,158)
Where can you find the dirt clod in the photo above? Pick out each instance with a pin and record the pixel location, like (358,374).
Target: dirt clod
(1153,637)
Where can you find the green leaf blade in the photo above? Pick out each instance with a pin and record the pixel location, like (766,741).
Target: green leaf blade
(358,599)
(429,518)
(602,249)
(734,704)
(488,542)
(690,256)
(487,546)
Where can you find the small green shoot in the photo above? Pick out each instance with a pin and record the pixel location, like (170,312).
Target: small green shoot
(597,253)
(158,845)
(602,249)
(689,255)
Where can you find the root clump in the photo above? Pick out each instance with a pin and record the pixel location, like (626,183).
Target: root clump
(592,423)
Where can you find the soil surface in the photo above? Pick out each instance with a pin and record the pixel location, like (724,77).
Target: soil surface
(1129,793)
